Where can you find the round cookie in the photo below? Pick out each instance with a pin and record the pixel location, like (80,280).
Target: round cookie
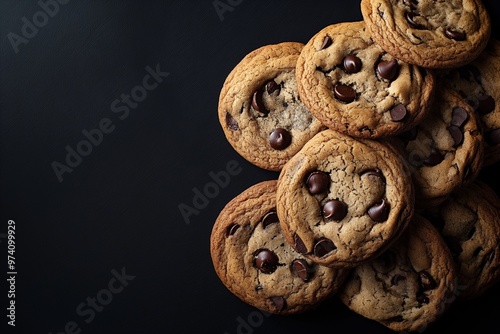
(409,286)
(478,82)
(444,151)
(260,110)
(469,221)
(429,33)
(342,200)
(253,260)
(353,86)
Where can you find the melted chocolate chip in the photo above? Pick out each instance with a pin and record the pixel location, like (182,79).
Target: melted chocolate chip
(302,269)
(454,34)
(352,64)
(457,135)
(269,218)
(398,113)
(280,139)
(459,116)
(299,245)
(271,86)
(323,246)
(335,210)
(258,103)
(486,104)
(426,281)
(410,18)
(231,230)
(373,172)
(231,122)
(434,158)
(317,182)
(344,93)
(397,278)
(278,302)
(379,212)
(266,261)
(327,41)
(388,70)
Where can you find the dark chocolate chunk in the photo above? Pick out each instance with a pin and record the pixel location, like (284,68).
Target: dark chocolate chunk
(231,122)
(317,182)
(434,158)
(397,278)
(344,93)
(323,246)
(335,210)
(271,86)
(379,212)
(459,116)
(457,135)
(299,245)
(492,137)
(454,34)
(426,281)
(373,172)
(231,230)
(352,64)
(266,261)
(269,218)
(411,19)
(327,41)
(388,70)
(278,302)
(280,139)
(258,103)
(398,113)
(486,104)
(302,269)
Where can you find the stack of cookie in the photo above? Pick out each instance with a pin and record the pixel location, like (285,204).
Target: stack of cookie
(378,129)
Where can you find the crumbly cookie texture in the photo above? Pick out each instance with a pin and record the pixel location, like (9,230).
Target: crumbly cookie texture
(260,110)
(477,82)
(409,286)
(469,221)
(446,150)
(353,86)
(342,200)
(429,33)
(254,261)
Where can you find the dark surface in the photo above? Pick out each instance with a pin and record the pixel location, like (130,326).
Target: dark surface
(118,210)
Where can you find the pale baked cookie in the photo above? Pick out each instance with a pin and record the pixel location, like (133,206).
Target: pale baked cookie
(253,260)
(260,109)
(353,86)
(445,150)
(409,286)
(478,82)
(342,200)
(469,221)
(429,33)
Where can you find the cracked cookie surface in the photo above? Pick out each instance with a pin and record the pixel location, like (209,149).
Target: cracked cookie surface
(253,260)
(353,86)
(342,200)
(260,110)
(407,287)
(429,33)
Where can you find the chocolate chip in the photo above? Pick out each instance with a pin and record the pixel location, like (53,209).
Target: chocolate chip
(434,158)
(299,245)
(278,302)
(231,122)
(280,139)
(388,70)
(410,134)
(317,182)
(269,218)
(486,104)
(455,35)
(231,230)
(459,116)
(271,86)
(258,103)
(410,18)
(398,113)
(457,135)
(352,64)
(379,211)
(397,278)
(426,281)
(344,93)
(327,41)
(335,210)
(266,261)
(492,137)
(302,269)
(373,172)
(422,298)
(323,246)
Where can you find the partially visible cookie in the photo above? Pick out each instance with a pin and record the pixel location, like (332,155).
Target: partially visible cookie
(253,260)
(260,109)
(478,82)
(342,200)
(445,150)
(429,33)
(353,86)
(409,286)
(469,221)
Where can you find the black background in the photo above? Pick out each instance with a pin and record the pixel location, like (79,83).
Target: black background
(119,208)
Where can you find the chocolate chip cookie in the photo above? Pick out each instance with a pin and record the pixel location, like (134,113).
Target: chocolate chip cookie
(253,260)
(478,82)
(469,221)
(409,286)
(260,109)
(353,86)
(445,151)
(342,200)
(429,33)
